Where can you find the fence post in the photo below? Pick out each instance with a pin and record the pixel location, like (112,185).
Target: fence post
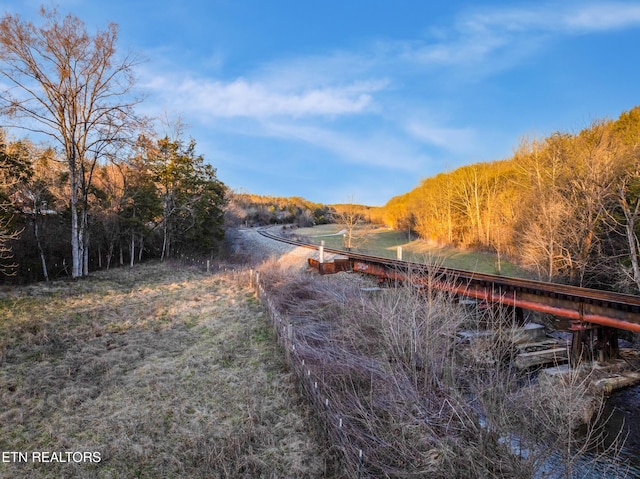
(400,253)
(321,252)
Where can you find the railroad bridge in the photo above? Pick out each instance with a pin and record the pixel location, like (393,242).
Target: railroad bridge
(594,316)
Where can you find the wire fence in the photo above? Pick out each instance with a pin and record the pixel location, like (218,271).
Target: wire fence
(337,424)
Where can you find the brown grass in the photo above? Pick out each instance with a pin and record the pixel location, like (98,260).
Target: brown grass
(165,371)
(389,378)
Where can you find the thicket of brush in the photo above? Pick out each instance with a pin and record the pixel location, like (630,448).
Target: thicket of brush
(401,396)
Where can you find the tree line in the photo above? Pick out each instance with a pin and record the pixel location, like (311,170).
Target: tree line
(162,202)
(246,209)
(566,206)
(100,187)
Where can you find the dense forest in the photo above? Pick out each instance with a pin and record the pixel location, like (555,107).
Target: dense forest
(566,207)
(162,202)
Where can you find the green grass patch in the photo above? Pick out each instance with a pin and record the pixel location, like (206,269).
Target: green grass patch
(329,229)
(384,242)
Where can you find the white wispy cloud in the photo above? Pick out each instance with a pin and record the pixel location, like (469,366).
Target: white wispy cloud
(329,69)
(479,42)
(256,99)
(291,99)
(565,18)
(376,149)
(604,16)
(451,139)
(475,37)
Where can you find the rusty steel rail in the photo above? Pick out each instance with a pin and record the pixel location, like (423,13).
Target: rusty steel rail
(581,305)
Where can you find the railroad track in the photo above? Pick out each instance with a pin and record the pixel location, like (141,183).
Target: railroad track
(584,306)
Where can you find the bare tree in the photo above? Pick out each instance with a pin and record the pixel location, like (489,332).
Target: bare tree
(70,86)
(547,217)
(628,201)
(471,192)
(351,217)
(597,167)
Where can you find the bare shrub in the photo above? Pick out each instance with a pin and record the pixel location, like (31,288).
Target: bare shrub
(385,363)
(402,397)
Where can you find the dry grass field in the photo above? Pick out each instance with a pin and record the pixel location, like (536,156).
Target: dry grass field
(165,371)
(161,371)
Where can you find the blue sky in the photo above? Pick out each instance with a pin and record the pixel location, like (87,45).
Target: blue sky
(360,99)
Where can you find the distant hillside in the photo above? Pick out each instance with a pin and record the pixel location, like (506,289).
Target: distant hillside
(251,210)
(567,206)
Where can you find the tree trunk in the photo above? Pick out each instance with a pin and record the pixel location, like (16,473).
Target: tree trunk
(85,258)
(85,245)
(165,240)
(43,260)
(76,256)
(109,254)
(132,249)
(76,250)
(633,247)
(632,240)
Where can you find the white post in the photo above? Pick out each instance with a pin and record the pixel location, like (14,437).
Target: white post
(208,266)
(400,253)
(321,251)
